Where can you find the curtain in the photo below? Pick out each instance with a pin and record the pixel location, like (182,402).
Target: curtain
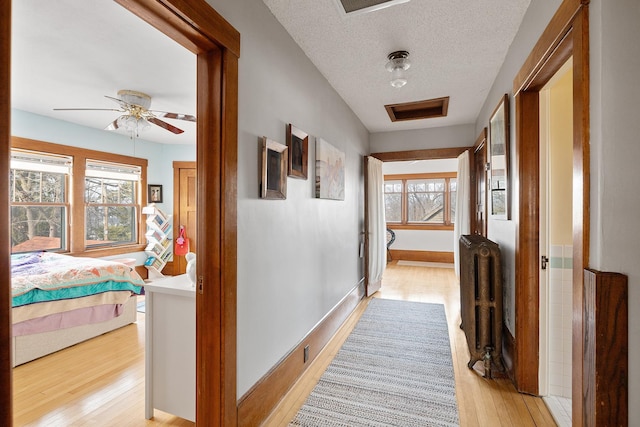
(377,224)
(462,222)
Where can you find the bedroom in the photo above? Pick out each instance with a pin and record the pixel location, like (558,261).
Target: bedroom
(68,170)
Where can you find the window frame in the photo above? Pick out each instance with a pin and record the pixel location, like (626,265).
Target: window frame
(404,224)
(76,244)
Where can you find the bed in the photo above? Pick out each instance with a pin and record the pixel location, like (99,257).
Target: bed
(60,300)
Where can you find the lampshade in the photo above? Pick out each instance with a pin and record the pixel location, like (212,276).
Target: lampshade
(397,65)
(132,124)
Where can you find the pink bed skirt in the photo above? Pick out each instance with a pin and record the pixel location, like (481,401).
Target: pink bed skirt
(68,319)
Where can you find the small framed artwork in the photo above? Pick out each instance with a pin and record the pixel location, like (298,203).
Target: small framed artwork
(274,170)
(298,144)
(499,159)
(329,171)
(155,193)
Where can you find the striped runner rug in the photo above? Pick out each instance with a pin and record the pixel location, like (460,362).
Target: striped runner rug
(394,369)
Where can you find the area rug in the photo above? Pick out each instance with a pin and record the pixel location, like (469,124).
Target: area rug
(394,369)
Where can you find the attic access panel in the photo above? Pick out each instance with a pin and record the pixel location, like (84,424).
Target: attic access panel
(427,109)
(363,6)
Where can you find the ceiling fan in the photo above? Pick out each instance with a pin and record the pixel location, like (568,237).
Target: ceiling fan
(136,114)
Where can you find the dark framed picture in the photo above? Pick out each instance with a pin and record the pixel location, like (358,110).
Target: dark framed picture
(155,193)
(298,145)
(274,170)
(499,159)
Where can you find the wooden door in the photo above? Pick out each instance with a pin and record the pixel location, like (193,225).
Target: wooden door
(480,174)
(184,200)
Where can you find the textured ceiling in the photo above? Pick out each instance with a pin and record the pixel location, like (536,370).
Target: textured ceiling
(456,49)
(70,53)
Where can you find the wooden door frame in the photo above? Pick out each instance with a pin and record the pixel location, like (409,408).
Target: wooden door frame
(481,141)
(6,395)
(199,28)
(566,35)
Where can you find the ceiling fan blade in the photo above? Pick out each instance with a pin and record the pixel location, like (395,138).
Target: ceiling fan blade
(123,104)
(86,109)
(113,125)
(177,116)
(164,125)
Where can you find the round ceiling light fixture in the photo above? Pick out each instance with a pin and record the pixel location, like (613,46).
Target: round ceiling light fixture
(397,65)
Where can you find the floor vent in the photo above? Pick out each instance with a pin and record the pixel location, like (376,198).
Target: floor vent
(353,7)
(426,109)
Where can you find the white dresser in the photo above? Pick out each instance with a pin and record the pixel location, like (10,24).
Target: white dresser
(170,349)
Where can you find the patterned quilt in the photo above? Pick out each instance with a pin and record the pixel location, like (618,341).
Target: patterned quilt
(47,276)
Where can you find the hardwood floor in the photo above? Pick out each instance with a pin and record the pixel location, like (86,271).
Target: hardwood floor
(101,382)
(481,402)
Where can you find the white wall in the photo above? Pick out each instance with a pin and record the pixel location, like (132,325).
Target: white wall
(423,139)
(422,240)
(297,258)
(503,232)
(615,150)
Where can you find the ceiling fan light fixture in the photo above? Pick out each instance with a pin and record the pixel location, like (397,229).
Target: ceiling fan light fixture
(132,124)
(397,65)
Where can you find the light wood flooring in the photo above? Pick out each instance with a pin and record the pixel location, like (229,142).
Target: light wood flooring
(481,402)
(101,382)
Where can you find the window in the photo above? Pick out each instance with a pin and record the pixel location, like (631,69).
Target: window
(70,199)
(38,192)
(420,200)
(110,203)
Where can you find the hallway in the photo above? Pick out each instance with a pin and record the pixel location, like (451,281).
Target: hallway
(481,402)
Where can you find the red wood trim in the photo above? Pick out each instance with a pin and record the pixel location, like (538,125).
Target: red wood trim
(567,34)
(229,240)
(193,24)
(527,244)
(436,153)
(481,139)
(581,200)
(256,405)
(76,198)
(606,339)
(552,36)
(424,256)
(6,394)
(202,30)
(412,226)
(431,175)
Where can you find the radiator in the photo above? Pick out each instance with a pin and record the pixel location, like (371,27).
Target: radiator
(481,301)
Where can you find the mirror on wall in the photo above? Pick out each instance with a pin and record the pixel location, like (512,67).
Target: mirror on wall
(499,159)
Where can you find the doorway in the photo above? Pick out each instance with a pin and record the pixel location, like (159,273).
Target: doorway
(556,242)
(567,35)
(200,29)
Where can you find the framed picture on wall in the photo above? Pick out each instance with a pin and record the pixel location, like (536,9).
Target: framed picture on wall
(274,170)
(330,171)
(298,144)
(154,193)
(499,160)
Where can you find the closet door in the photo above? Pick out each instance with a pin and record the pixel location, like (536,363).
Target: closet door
(184,200)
